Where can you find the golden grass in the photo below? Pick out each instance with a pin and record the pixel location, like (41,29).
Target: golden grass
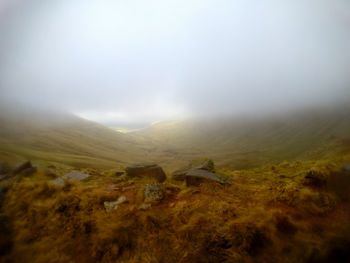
(265,214)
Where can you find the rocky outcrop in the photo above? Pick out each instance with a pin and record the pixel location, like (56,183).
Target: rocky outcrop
(153,171)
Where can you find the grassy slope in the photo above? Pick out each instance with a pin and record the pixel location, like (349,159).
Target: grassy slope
(260,217)
(252,141)
(64,138)
(238,143)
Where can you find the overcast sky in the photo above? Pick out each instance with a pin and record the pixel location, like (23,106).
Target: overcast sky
(123,62)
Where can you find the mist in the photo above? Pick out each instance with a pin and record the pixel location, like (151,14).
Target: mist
(135,62)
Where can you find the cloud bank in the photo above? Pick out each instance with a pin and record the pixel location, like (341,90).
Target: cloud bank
(143,61)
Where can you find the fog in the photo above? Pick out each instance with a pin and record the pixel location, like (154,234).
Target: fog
(132,62)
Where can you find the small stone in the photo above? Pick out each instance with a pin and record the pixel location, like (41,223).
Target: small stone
(144,206)
(113,205)
(121,199)
(109,206)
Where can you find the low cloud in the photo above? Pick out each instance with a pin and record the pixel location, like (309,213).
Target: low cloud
(136,62)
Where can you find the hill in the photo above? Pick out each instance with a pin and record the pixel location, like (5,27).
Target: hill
(290,211)
(248,141)
(63,138)
(235,142)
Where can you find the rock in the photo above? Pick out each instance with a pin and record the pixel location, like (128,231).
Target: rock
(144,206)
(207,165)
(21,167)
(146,170)
(195,177)
(153,193)
(315,179)
(76,175)
(71,176)
(109,206)
(180,175)
(28,171)
(58,181)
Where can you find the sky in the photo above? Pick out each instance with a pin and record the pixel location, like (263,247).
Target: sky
(127,63)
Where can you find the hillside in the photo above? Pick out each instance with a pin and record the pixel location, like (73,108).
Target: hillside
(239,142)
(249,141)
(76,204)
(63,138)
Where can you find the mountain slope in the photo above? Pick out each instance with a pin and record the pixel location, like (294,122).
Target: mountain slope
(63,138)
(250,141)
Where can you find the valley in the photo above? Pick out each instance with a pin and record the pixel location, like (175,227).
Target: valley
(282,193)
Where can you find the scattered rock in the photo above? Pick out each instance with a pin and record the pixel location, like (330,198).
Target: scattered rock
(146,170)
(207,165)
(109,206)
(315,179)
(153,193)
(75,175)
(195,177)
(58,181)
(71,176)
(144,206)
(28,171)
(21,167)
(180,175)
